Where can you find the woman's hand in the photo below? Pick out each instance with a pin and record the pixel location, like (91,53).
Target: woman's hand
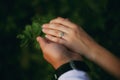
(72,36)
(65,32)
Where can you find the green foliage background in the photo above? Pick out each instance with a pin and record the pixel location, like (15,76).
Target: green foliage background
(100,18)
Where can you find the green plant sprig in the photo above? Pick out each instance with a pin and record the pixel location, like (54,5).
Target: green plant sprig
(29,34)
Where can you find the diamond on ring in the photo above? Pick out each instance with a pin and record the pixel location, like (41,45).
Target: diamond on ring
(61,34)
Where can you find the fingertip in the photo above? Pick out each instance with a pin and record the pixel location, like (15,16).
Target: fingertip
(46,35)
(44,25)
(38,38)
(52,21)
(58,18)
(41,41)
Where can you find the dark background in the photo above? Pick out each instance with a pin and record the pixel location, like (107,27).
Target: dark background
(100,18)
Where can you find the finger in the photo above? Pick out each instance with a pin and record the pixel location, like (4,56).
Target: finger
(43,42)
(54,33)
(57,27)
(63,21)
(55,39)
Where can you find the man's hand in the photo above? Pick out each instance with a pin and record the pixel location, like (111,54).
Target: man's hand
(56,54)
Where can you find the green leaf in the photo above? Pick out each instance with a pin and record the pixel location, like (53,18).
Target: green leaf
(29,34)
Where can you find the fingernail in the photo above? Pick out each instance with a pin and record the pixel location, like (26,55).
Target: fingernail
(38,39)
(51,21)
(43,25)
(43,30)
(45,35)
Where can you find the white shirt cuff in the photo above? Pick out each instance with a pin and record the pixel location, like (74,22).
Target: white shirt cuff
(74,75)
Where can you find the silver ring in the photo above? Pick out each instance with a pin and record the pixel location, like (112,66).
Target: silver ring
(61,34)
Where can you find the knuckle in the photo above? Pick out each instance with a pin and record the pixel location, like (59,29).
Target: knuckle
(51,25)
(49,31)
(56,39)
(58,18)
(75,26)
(53,32)
(62,42)
(74,30)
(61,19)
(56,33)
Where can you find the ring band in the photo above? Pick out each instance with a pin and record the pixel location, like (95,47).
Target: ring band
(61,34)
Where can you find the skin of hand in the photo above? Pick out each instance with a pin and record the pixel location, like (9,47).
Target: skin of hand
(77,40)
(55,53)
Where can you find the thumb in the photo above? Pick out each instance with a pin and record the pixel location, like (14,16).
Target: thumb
(42,42)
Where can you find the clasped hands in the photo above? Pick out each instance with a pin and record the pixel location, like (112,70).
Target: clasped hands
(65,41)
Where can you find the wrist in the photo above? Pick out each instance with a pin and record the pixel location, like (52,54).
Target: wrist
(60,62)
(95,52)
(92,51)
